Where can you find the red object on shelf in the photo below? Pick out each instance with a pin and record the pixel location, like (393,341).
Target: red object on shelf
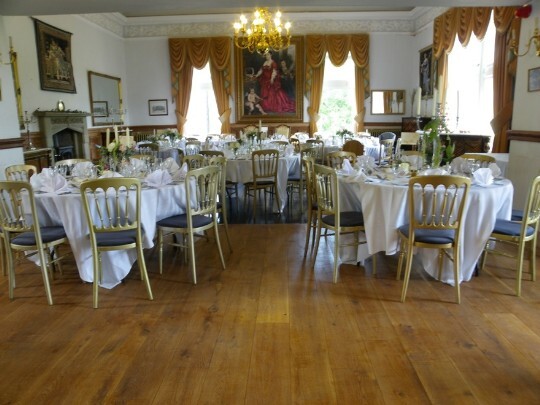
(524,12)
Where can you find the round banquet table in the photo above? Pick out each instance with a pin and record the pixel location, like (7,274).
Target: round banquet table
(385,208)
(67,209)
(241,171)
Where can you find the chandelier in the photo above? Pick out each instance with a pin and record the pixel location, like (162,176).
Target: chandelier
(263,34)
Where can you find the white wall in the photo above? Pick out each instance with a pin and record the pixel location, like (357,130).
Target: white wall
(93,48)
(148,78)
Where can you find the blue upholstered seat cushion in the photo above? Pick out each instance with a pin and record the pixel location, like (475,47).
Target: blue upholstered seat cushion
(116,238)
(180,221)
(48,234)
(504,227)
(517,215)
(434,236)
(347,218)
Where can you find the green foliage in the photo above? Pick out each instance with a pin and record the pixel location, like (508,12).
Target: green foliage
(336,112)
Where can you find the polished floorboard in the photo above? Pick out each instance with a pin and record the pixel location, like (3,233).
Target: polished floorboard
(270,329)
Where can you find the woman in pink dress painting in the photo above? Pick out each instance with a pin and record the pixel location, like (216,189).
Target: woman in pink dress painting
(274,97)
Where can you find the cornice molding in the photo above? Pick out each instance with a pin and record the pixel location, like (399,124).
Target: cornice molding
(303,23)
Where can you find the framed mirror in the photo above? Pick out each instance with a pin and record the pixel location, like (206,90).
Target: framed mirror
(105,99)
(387,102)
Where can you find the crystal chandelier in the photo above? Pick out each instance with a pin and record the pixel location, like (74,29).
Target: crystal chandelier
(263,34)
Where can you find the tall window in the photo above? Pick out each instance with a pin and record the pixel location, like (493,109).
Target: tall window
(469,96)
(202,116)
(338,103)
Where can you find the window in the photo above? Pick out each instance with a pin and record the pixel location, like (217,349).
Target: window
(338,102)
(202,116)
(469,95)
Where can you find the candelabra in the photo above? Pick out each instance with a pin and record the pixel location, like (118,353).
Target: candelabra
(27,121)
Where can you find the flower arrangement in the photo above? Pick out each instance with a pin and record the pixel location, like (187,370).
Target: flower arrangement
(167,135)
(115,152)
(432,147)
(343,133)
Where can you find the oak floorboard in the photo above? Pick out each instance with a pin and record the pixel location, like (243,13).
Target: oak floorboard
(270,328)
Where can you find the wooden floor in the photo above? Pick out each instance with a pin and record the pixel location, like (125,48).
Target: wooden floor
(270,329)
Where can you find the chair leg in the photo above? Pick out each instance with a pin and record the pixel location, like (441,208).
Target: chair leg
(521,252)
(44,271)
(10,270)
(441,256)
(317,239)
(401,257)
(456,274)
(219,243)
(407,271)
(160,250)
(97,278)
(336,255)
(309,225)
(191,243)
(532,260)
(144,273)
(226,224)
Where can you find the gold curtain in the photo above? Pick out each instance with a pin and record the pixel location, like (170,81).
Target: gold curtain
(504,71)
(338,48)
(463,22)
(187,53)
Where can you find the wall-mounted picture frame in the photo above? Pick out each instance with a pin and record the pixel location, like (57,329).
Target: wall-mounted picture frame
(533,83)
(426,72)
(100,109)
(54,58)
(258,97)
(158,107)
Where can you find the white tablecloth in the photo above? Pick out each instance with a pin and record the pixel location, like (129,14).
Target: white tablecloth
(241,171)
(68,210)
(385,208)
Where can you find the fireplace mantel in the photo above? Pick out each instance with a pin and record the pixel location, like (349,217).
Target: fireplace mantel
(53,122)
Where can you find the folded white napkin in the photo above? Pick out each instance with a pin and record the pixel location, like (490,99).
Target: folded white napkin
(181,174)
(458,165)
(108,174)
(433,172)
(138,164)
(170,165)
(346,168)
(49,182)
(483,176)
(495,170)
(81,169)
(158,178)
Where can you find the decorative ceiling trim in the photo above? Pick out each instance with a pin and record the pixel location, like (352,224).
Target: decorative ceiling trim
(409,22)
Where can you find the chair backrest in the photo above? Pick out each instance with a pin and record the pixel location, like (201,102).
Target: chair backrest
(265,164)
(279,143)
(194,161)
(202,190)
(294,141)
(112,205)
(20,172)
(531,213)
(437,202)
(221,162)
(209,153)
(308,165)
(193,139)
(387,135)
(154,147)
(18,208)
(250,129)
(483,160)
(283,130)
(409,138)
(327,191)
(317,145)
(335,159)
(180,159)
(192,148)
(353,146)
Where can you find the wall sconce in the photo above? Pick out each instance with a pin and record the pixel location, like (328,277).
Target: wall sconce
(534,39)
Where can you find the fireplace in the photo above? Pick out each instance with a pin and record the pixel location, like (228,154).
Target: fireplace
(65,133)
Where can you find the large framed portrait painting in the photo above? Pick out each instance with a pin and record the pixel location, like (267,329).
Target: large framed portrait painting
(426,72)
(269,87)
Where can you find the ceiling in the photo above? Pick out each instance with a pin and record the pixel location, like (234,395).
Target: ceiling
(155,8)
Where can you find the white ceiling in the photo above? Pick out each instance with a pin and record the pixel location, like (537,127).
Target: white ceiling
(148,8)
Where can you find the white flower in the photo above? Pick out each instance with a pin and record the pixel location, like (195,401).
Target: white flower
(111,147)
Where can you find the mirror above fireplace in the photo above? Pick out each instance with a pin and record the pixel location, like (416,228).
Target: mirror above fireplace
(105,99)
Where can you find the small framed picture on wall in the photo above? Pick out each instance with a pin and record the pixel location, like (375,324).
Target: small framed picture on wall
(158,107)
(534,79)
